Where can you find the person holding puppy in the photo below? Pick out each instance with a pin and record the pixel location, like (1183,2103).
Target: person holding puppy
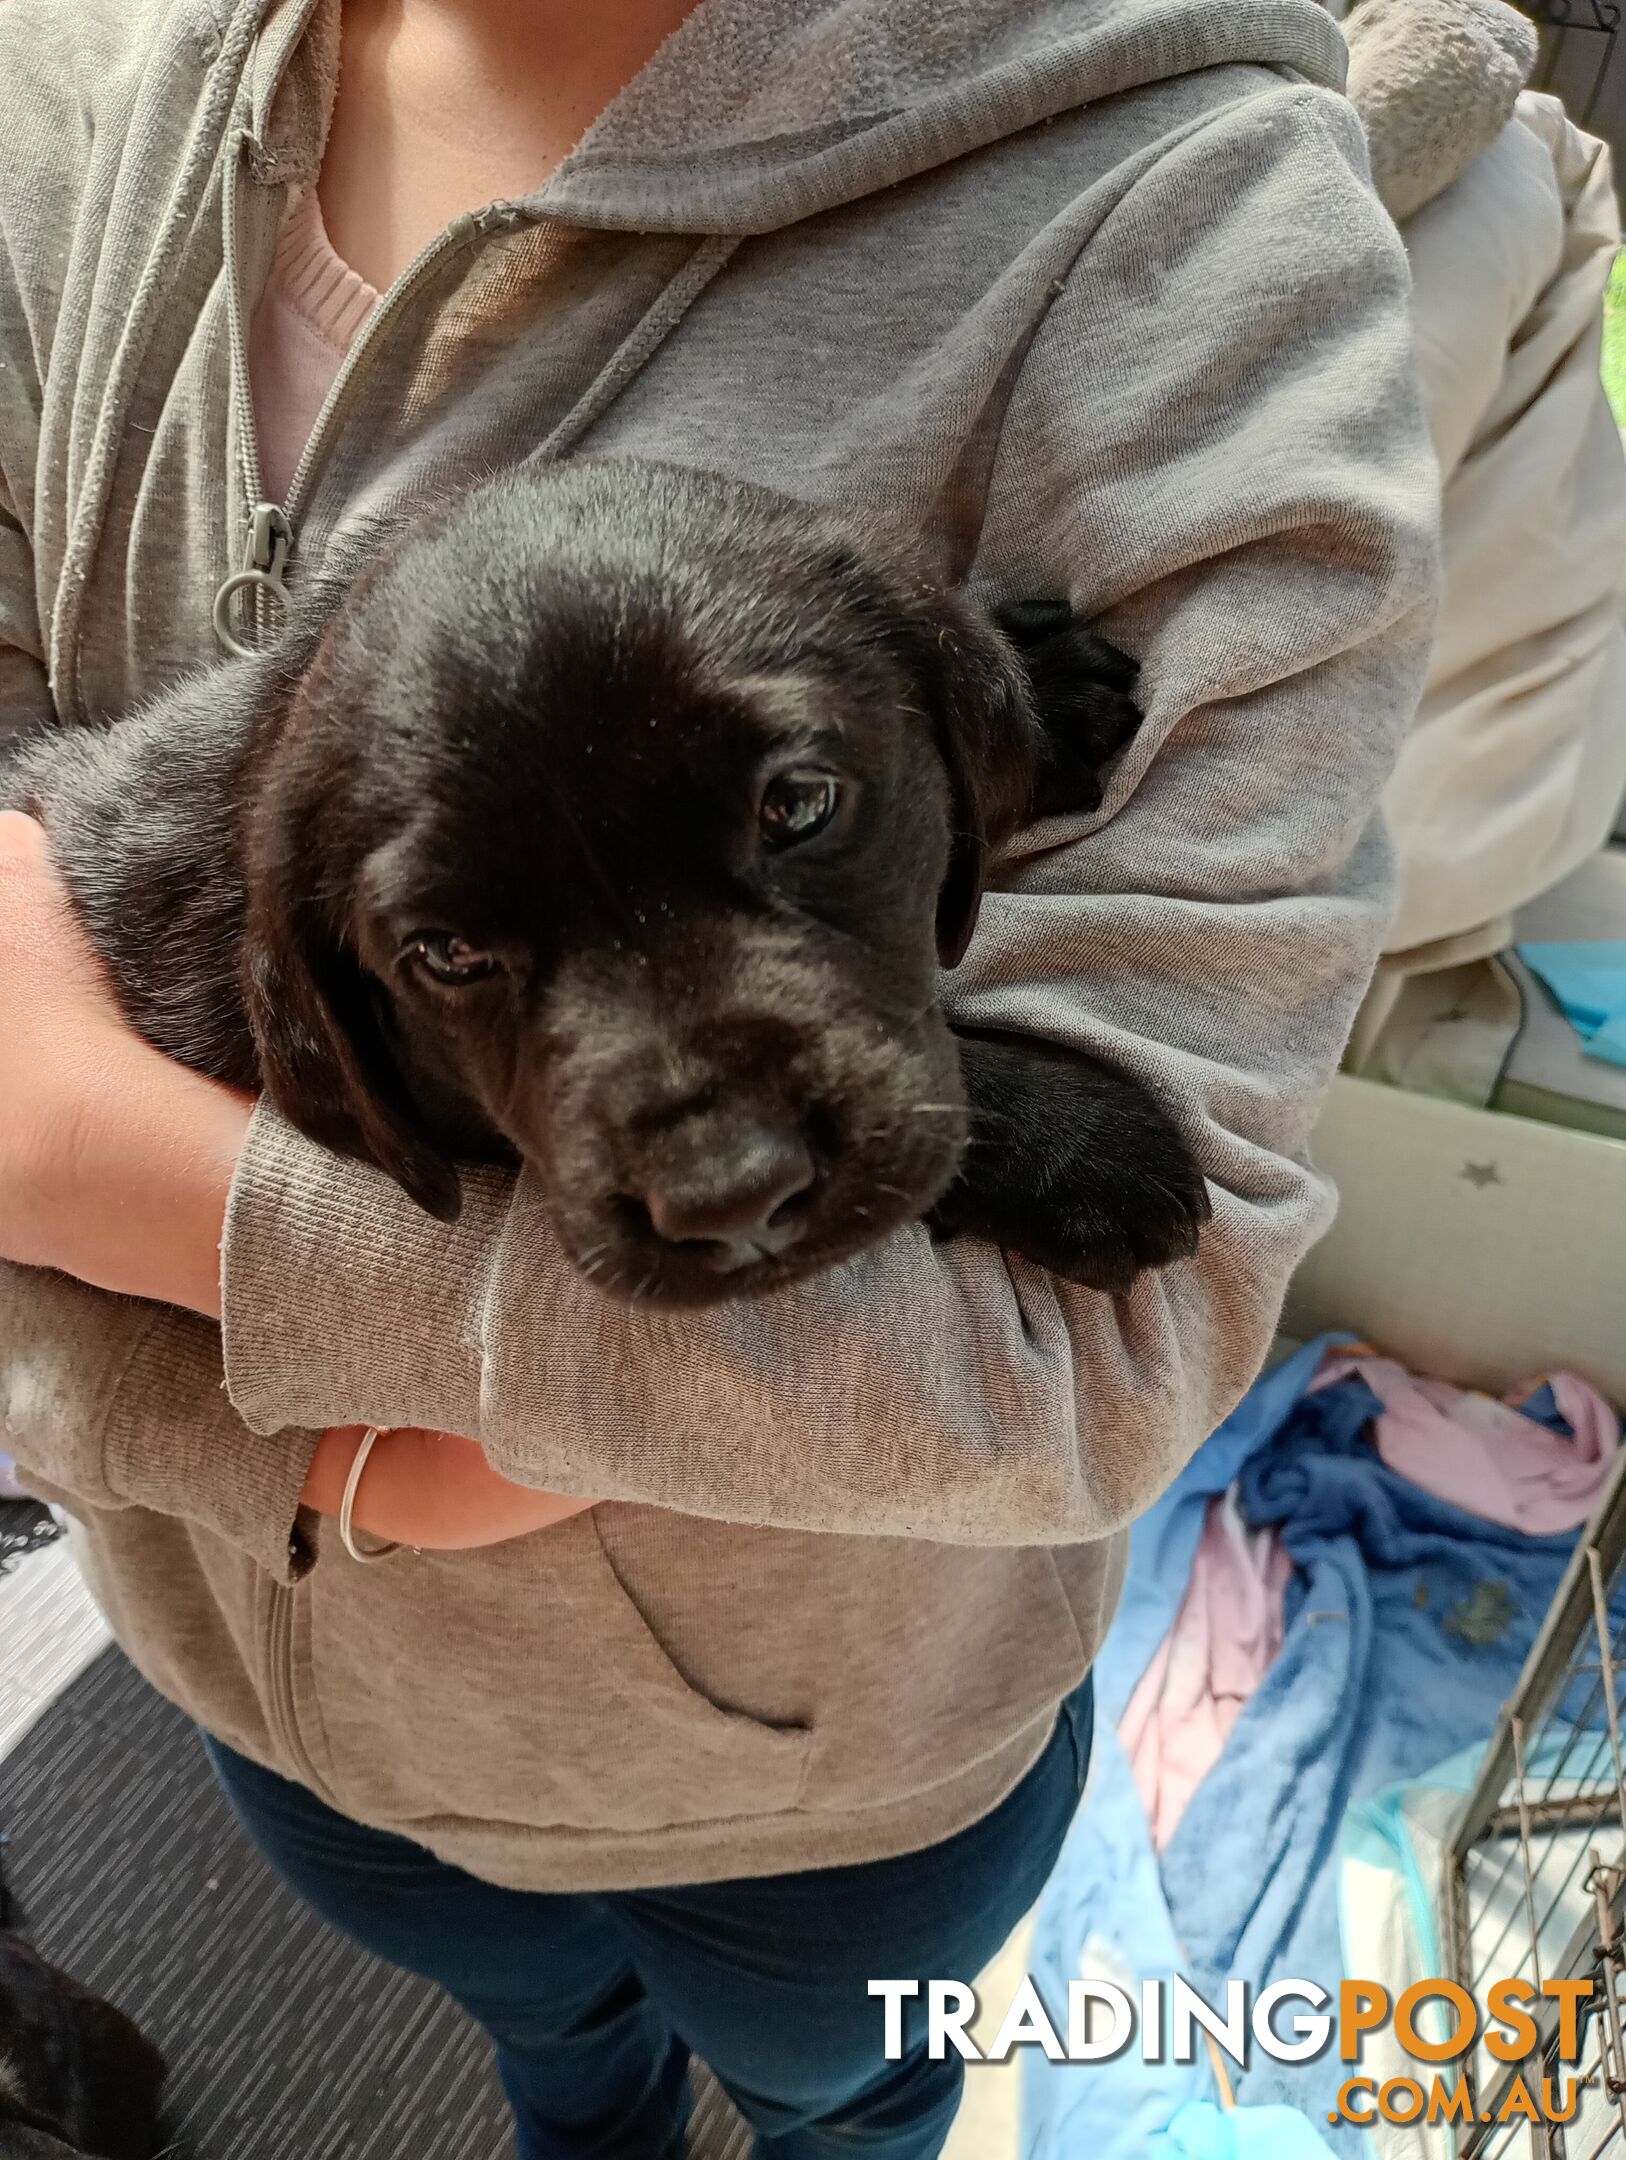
(744,1654)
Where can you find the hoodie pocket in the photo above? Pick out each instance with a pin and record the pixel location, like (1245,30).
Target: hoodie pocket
(521,1686)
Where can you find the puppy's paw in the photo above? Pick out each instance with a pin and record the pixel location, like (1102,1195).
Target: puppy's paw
(1121,1220)
(1072,1166)
(1083,690)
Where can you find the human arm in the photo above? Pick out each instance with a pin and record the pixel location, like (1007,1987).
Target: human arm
(105,1401)
(115,1164)
(114,1161)
(1215,439)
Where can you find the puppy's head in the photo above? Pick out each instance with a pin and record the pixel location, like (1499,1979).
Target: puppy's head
(634,811)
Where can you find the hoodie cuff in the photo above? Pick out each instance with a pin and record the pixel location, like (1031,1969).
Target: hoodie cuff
(64,1352)
(342,1302)
(174,1444)
(109,1402)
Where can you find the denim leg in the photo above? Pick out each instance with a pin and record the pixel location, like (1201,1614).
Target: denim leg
(768,1980)
(589,2066)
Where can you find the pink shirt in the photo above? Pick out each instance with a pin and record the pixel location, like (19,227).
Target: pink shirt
(307,320)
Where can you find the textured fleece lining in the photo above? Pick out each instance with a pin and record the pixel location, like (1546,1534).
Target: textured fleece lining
(1435,82)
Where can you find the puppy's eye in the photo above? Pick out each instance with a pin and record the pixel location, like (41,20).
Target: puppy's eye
(449,959)
(796,805)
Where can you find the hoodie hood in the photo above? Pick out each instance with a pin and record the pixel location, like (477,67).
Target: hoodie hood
(754,117)
(757,113)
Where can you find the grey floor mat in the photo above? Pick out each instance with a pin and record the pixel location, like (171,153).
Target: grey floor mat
(282,2039)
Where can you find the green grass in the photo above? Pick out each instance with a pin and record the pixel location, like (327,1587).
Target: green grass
(1614,340)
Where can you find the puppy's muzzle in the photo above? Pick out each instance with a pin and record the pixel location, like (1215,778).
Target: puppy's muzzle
(728,1194)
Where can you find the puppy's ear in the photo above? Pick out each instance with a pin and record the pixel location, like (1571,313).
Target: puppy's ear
(324,1056)
(981,705)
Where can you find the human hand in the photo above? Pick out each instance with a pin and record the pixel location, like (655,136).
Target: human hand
(428,1489)
(115,1161)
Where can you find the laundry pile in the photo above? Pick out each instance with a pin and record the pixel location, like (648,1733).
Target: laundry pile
(1336,1597)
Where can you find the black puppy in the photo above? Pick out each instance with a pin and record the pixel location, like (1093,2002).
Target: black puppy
(621,817)
(76,2077)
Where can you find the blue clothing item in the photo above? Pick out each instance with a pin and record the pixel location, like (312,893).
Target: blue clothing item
(594,2002)
(1406,1623)
(1163,1543)
(1105,1915)
(1588,978)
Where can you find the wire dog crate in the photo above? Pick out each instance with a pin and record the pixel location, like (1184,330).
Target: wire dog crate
(1535,1874)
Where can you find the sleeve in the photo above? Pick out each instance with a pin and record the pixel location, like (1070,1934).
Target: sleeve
(106,1402)
(1215,440)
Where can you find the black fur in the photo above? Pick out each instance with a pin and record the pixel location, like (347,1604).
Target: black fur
(76,2077)
(548,719)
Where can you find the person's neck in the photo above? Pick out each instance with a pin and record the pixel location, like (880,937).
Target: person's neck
(446,105)
(606,39)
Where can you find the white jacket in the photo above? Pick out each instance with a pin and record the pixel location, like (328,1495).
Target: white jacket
(1515,766)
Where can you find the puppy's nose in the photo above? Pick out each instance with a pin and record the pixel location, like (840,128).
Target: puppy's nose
(737,1203)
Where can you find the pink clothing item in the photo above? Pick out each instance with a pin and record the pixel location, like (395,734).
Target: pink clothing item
(1224,1640)
(309,314)
(1479,1454)
(1470,1450)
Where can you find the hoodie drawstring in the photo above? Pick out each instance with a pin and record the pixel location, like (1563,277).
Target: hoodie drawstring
(636,349)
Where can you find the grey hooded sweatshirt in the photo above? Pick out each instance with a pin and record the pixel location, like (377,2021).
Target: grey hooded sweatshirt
(1096,293)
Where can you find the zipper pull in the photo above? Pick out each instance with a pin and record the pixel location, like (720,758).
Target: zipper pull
(270,536)
(265,566)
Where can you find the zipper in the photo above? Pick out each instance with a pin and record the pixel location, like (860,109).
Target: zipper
(265,563)
(280,1688)
(273,528)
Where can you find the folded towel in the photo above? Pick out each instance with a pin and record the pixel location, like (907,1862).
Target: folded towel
(1434,81)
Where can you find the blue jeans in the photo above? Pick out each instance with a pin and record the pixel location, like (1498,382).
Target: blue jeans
(595,2002)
